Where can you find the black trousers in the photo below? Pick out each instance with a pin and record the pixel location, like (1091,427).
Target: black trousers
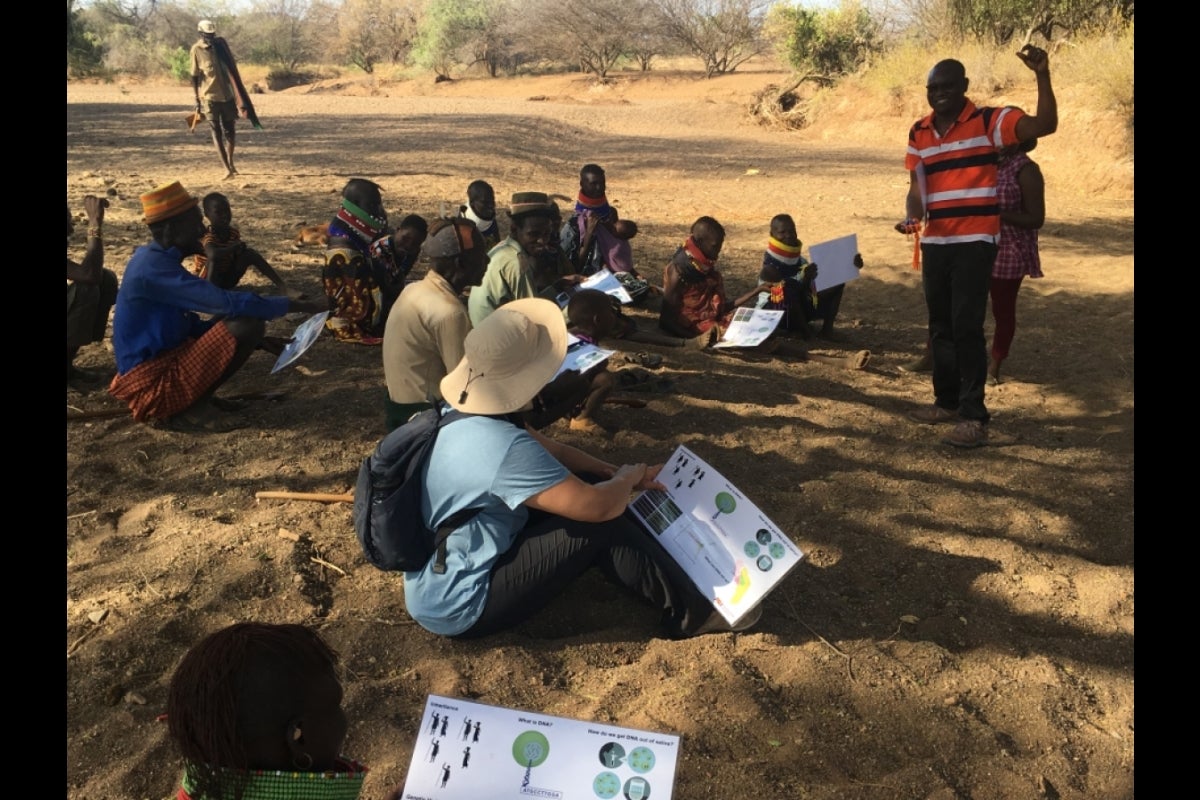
(956,278)
(553,551)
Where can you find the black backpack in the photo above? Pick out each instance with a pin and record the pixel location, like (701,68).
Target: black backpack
(387,499)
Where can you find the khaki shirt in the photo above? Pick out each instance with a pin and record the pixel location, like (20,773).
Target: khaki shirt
(215,84)
(423,339)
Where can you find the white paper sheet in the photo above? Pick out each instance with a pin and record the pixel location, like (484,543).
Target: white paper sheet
(728,547)
(582,355)
(835,261)
(472,751)
(606,282)
(749,327)
(306,333)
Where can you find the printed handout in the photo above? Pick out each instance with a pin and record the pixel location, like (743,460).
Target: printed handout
(468,751)
(606,282)
(732,552)
(749,327)
(582,355)
(306,333)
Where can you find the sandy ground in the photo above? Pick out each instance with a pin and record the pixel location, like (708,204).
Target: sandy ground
(962,625)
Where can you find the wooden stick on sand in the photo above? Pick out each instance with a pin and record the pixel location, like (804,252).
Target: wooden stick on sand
(318,497)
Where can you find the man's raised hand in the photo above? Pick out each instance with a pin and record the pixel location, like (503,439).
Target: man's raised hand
(1035,58)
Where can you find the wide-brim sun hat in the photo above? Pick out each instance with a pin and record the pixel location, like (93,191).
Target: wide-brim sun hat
(168,200)
(206,26)
(509,357)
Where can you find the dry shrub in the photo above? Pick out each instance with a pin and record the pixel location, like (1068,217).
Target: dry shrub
(773,107)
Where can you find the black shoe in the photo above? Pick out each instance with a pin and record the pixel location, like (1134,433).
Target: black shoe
(718,624)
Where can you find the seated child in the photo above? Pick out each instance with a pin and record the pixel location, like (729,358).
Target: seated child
(695,305)
(481,209)
(590,318)
(226,257)
(790,280)
(256,711)
(551,267)
(394,257)
(624,228)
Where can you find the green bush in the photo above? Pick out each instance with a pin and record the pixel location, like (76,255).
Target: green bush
(828,43)
(85,56)
(179,62)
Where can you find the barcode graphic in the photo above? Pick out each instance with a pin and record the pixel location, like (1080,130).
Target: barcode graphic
(657,510)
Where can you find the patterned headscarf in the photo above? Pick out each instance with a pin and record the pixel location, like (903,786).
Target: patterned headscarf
(367,226)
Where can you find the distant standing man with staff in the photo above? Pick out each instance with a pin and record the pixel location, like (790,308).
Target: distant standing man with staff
(216,81)
(952,157)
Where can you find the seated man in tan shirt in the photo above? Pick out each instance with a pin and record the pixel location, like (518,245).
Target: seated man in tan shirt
(424,334)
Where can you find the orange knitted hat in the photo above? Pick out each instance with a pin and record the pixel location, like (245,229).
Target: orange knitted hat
(168,200)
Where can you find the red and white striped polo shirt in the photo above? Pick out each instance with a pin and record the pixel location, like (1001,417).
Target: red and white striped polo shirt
(957,172)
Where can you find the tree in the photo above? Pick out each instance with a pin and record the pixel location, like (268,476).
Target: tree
(824,45)
(452,29)
(1002,21)
(724,34)
(648,37)
(283,33)
(371,31)
(84,54)
(595,34)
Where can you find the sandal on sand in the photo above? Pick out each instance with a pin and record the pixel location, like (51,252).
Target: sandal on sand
(649,360)
(858,360)
(654,386)
(628,402)
(227,403)
(204,421)
(638,380)
(628,378)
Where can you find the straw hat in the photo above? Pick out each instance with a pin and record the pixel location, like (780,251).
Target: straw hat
(168,200)
(529,203)
(509,357)
(206,26)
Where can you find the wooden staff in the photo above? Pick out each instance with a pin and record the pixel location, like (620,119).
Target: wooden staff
(318,497)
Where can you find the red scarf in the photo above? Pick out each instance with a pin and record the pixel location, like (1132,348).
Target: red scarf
(597,205)
(702,262)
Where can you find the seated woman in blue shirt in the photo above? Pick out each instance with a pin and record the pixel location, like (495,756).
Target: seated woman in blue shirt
(540,524)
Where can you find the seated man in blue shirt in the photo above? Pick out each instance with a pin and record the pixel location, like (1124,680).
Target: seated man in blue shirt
(169,360)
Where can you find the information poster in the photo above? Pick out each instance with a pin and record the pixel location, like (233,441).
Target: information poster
(727,546)
(604,281)
(582,356)
(306,334)
(472,751)
(749,327)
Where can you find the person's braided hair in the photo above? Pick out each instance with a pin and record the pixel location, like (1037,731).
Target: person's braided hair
(208,716)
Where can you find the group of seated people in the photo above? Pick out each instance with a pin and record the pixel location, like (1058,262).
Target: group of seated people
(484,332)
(173,352)
(481,332)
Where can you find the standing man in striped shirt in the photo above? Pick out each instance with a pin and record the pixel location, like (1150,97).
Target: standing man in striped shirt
(952,158)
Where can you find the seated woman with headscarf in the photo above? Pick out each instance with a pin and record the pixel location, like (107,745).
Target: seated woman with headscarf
(540,524)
